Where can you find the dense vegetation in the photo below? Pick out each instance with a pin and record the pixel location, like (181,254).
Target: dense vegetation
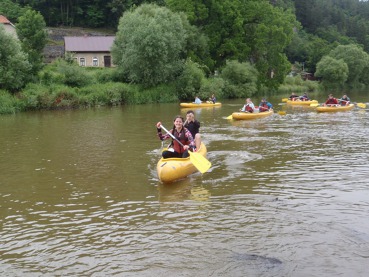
(170,50)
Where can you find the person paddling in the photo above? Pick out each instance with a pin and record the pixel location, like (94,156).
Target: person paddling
(293,97)
(264,105)
(344,100)
(331,101)
(249,107)
(176,150)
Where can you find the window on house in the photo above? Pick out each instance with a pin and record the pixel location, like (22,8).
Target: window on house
(82,62)
(95,61)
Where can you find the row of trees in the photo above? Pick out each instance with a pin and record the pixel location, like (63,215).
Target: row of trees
(186,40)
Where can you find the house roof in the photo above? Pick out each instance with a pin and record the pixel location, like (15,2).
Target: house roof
(89,44)
(4,20)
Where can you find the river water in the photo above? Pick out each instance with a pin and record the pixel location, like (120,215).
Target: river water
(286,195)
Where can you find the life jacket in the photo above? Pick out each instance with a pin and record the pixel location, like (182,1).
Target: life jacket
(182,138)
(332,101)
(249,109)
(344,101)
(265,106)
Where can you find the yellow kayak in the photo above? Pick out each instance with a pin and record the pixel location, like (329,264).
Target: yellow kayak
(335,108)
(255,115)
(173,169)
(201,105)
(299,102)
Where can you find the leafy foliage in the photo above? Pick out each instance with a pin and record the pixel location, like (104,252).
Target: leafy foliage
(31,31)
(14,65)
(188,84)
(148,45)
(355,58)
(240,79)
(334,72)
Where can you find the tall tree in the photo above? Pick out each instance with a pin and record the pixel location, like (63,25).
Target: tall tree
(14,65)
(148,45)
(356,59)
(333,72)
(31,31)
(244,30)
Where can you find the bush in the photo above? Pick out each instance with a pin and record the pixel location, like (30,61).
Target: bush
(188,84)
(212,86)
(239,79)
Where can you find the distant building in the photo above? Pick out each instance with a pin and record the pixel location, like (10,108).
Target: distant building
(9,27)
(91,51)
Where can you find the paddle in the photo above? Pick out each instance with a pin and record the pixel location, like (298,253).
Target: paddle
(361,105)
(230,117)
(285,99)
(198,160)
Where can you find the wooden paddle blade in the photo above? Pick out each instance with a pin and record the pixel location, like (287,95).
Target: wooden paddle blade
(230,117)
(361,105)
(284,99)
(282,113)
(199,161)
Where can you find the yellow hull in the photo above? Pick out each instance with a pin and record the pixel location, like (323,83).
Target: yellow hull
(201,105)
(246,116)
(173,169)
(299,102)
(335,108)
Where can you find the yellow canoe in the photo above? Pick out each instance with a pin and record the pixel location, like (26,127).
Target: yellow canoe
(247,116)
(201,105)
(299,102)
(173,169)
(335,108)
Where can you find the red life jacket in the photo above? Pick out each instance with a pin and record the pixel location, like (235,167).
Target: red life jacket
(332,101)
(182,138)
(265,106)
(249,109)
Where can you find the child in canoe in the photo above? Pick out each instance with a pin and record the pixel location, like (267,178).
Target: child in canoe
(176,150)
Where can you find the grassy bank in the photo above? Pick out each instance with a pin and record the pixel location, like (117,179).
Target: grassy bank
(63,85)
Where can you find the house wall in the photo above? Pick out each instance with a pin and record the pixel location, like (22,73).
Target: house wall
(10,29)
(90,57)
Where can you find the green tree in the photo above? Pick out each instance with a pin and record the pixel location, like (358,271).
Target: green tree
(188,84)
(269,39)
(11,10)
(14,65)
(148,45)
(240,79)
(31,31)
(252,30)
(355,58)
(334,73)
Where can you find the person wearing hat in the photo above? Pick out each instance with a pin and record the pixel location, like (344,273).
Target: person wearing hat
(331,101)
(264,105)
(304,97)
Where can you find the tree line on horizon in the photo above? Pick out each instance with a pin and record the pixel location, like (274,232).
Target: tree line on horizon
(250,44)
